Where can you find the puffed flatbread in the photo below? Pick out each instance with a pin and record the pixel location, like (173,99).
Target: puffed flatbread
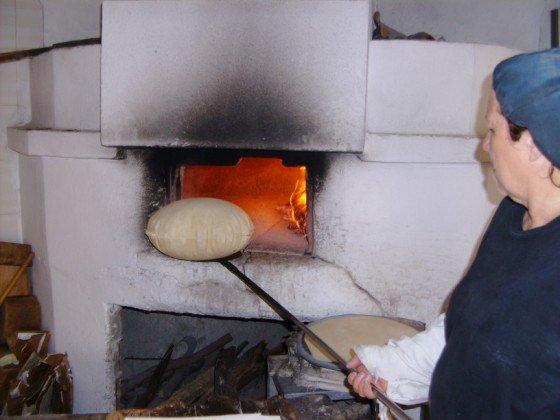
(200,229)
(343,333)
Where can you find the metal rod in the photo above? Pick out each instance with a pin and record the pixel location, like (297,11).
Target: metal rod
(287,316)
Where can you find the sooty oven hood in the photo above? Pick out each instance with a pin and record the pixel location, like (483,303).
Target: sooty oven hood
(235,74)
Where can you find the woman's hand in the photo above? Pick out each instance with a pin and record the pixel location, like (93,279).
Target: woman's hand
(362,379)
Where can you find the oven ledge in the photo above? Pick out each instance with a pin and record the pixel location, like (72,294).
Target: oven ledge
(59,143)
(165,284)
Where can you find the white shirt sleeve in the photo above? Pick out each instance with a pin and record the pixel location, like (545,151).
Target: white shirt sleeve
(407,364)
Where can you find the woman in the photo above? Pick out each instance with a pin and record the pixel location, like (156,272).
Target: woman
(496,352)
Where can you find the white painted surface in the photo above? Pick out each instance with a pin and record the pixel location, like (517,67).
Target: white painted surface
(8,84)
(34,232)
(10,215)
(545,39)
(514,24)
(70,20)
(7,25)
(21,25)
(56,143)
(519,24)
(406,148)
(405,231)
(65,89)
(245,74)
(29,24)
(77,70)
(24,110)
(9,189)
(430,88)
(413,87)
(7,115)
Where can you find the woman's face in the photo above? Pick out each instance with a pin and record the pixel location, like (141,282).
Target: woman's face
(505,154)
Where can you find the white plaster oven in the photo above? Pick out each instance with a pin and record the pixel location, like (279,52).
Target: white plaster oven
(398,208)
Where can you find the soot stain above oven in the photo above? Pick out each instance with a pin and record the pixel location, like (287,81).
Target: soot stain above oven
(258,114)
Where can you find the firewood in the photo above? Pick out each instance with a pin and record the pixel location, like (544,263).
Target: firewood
(244,370)
(22,286)
(249,365)
(241,347)
(61,400)
(174,364)
(155,381)
(43,385)
(100,416)
(279,406)
(175,408)
(316,406)
(7,375)
(223,373)
(13,254)
(199,387)
(218,405)
(11,283)
(230,373)
(17,314)
(25,343)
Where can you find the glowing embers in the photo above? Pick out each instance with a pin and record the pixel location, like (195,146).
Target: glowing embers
(275,197)
(295,211)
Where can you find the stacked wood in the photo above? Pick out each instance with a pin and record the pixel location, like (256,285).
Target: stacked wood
(221,388)
(174,364)
(243,370)
(37,382)
(318,406)
(22,286)
(12,256)
(43,385)
(155,381)
(19,313)
(7,374)
(215,391)
(25,343)
(31,381)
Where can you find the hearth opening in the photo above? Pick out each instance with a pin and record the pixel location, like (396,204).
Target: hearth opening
(274,194)
(164,353)
(177,365)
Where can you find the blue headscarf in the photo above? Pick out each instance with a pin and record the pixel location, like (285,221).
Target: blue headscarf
(528,89)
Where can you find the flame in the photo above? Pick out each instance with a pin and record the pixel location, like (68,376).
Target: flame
(295,211)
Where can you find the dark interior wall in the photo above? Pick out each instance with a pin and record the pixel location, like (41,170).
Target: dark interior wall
(147,335)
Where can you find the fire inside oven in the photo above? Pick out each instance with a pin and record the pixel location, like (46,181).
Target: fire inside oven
(274,195)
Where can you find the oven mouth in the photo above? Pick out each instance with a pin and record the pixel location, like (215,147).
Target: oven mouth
(275,188)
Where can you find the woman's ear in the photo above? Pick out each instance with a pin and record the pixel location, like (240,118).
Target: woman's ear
(554,176)
(528,142)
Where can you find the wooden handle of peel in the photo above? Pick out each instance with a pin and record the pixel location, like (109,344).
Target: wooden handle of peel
(15,278)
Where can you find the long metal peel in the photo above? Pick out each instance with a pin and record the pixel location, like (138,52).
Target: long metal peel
(287,316)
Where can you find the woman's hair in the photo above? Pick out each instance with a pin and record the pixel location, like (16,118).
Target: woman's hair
(515,131)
